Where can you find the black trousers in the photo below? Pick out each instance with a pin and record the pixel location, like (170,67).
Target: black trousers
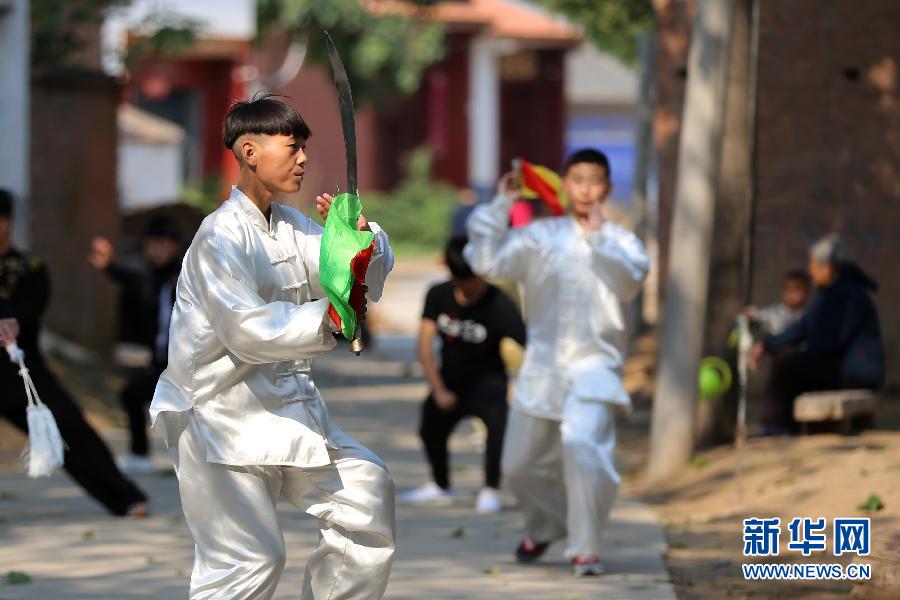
(485,399)
(796,373)
(135,398)
(87,459)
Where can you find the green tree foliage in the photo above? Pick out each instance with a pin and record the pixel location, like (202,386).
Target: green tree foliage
(59,26)
(612,24)
(383,55)
(162,33)
(418,211)
(60,29)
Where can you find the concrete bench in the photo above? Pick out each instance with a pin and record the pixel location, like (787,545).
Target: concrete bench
(842,406)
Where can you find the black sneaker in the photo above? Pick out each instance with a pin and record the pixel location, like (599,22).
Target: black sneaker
(529,551)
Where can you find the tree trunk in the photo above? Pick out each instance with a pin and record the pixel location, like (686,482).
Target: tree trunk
(716,417)
(687,282)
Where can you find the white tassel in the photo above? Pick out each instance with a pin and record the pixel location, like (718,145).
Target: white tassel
(46,448)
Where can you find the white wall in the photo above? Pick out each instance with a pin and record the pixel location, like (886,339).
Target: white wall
(14,113)
(484,115)
(594,77)
(149,174)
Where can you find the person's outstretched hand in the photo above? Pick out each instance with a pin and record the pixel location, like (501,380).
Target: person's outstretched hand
(323,205)
(101,254)
(9,331)
(445,399)
(509,186)
(756,355)
(595,217)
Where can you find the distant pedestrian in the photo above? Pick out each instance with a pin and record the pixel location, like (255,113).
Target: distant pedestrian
(470,317)
(152,289)
(468,199)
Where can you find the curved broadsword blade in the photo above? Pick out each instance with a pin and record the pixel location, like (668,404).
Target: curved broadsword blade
(345,102)
(348,124)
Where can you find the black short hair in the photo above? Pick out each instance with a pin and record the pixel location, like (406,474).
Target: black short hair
(800,276)
(456,262)
(162,226)
(6,203)
(264,114)
(588,155)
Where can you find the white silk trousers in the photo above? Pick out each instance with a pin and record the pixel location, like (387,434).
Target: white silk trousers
(562,473)
(239,547)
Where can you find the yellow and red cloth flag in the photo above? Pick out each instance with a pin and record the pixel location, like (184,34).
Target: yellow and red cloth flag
(541,182)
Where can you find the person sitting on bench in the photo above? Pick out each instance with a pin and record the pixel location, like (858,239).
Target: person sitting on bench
(839,335)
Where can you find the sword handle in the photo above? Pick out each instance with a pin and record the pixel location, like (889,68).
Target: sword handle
(15,353)
(356,345)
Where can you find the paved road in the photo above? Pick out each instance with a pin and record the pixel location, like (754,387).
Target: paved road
(72,550)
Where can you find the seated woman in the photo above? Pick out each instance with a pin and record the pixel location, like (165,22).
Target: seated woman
(837,341)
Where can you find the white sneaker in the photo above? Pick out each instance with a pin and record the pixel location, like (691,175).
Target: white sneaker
(488,501)
(587,566)
(429,493)
(133,464)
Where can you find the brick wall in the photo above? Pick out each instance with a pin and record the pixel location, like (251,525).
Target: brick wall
(828,139)
(73,198)
(828,143)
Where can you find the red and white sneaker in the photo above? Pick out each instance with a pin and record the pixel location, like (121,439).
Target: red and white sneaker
(587,566)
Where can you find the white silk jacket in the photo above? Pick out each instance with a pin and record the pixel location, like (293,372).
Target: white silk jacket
(244,328)
(576,285)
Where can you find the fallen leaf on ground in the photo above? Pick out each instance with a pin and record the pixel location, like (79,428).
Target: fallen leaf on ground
(700,461)
(17,577)
(873,503)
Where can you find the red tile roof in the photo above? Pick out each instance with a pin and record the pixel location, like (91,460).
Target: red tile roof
(512,19)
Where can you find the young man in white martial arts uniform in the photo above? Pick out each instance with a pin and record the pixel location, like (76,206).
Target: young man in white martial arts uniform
(243,420)
(578,271)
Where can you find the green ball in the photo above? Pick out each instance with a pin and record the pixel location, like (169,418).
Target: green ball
(714,378)
(710,382)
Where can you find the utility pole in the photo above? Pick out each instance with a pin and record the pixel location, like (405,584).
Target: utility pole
(687,282)
(14,110)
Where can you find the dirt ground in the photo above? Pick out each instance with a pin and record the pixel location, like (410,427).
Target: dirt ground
(823,475)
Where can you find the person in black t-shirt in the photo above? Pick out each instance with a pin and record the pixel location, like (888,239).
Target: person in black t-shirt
(471,317)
